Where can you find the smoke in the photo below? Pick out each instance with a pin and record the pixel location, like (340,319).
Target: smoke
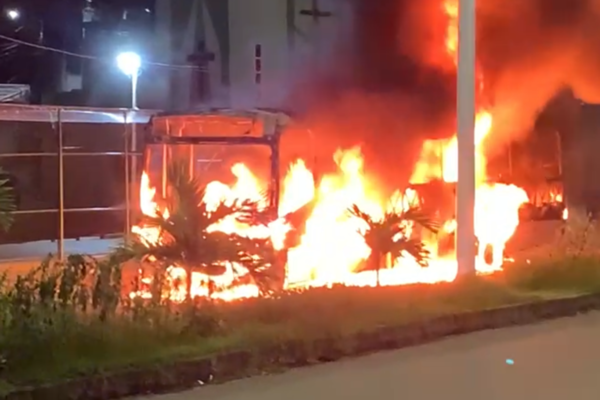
(385,125)
(530,50)
(527,51)
(391,84)
(376,95)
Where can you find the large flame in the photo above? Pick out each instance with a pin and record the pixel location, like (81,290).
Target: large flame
(496,205)
(331,246)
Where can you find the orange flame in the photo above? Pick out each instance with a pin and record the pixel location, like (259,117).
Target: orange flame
(331,246)
(496,205)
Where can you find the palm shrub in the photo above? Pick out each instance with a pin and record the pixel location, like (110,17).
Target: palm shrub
(390,236)
(186,239)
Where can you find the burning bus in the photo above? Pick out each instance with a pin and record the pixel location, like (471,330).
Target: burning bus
(328,246)
(308,211)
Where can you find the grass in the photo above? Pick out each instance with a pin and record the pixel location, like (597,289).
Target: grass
(575,274)
(67,344)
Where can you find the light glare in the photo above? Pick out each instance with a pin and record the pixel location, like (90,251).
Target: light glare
(13,14)
(129,63)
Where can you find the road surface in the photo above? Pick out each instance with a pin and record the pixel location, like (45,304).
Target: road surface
(22,257)
(40,249)
(557,360)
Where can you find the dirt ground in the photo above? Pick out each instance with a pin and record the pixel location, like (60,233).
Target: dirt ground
(552,361)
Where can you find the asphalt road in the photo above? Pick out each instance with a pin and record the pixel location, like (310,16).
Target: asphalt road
(557,360)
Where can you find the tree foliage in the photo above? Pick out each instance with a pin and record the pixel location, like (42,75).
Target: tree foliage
(390,236)
(187,237)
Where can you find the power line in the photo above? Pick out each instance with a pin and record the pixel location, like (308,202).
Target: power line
(88,57)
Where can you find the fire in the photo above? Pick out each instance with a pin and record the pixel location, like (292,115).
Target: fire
(496,218)
(451,11)
(439,158)
(331,247)
(496,205)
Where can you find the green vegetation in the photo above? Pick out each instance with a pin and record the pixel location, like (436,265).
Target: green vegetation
(63,320)
(388,237)
(185,238)
(71,318)
(556,277)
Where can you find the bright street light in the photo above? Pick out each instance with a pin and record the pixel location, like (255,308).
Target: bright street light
(130,64)
(13,14)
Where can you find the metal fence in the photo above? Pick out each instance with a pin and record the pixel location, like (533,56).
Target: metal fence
(72,153)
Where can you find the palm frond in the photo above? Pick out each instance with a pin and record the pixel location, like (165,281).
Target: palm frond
(263,262)
(216,249)
(166,227)
(388,236)
(187,240)
(421,218)
(185,193)
(187,197)
(355,211)
(412,247)
(256,212)
(221,211)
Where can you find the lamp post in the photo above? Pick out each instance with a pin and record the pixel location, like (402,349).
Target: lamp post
(465,114)
(130,64)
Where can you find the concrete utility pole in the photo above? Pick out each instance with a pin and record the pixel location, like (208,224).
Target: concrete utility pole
(465,115)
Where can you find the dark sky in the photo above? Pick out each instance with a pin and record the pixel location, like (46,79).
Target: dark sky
(61,21)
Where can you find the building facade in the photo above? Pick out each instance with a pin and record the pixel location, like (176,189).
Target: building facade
(247,53)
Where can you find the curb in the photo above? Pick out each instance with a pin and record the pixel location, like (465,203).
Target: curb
(238,364)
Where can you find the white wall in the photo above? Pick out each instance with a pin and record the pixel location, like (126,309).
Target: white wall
(314,39)
(258,22)
(263,22)
(218,93)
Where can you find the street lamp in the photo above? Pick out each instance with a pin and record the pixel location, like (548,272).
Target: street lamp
(13,14)
(130,64)
(465,114)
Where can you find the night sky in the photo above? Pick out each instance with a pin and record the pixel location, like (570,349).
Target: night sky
(61,20)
